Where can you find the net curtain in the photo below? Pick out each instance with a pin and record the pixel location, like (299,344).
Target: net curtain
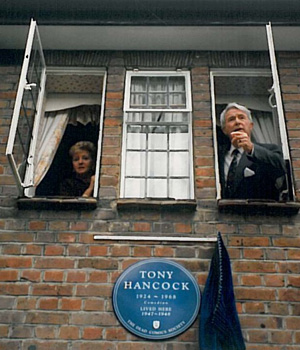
(56,117)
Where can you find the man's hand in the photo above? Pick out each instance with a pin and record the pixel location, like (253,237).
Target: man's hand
(241,139)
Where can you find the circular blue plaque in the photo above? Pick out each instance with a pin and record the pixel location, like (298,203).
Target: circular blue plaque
(156,299)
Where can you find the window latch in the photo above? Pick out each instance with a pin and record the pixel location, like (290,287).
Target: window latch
(29,86)
(272,95)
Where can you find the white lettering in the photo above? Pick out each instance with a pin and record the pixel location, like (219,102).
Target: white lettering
(146,285)
(151,274)
(184,286)
(176,285)
(165,286)
(143,273)
(156,274)
(155,285)
(137,286)
(161,274)
(128,285)
(169,273)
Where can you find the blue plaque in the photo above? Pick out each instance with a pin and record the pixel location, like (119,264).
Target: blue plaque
(156,299)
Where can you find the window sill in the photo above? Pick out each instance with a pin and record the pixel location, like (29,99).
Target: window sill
(57,203)
(258,207)
(164,204)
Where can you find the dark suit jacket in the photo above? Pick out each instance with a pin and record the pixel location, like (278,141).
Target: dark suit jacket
(259,180)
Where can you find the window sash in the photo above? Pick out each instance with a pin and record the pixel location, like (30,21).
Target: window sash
(154,149)
(31,86)
(187,106)
(277,92)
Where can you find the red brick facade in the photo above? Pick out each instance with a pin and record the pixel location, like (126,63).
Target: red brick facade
(56,281)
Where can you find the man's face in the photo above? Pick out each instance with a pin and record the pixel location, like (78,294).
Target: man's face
(237,120)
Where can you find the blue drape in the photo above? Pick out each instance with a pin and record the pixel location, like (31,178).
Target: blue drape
(219,326)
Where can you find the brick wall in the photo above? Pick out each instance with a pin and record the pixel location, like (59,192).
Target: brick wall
(56,281)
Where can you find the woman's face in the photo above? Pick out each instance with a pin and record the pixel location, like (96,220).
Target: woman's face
(82,162)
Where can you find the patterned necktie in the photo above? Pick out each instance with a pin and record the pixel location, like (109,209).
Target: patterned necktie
(231,174)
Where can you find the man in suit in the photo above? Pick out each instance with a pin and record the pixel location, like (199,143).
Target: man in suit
(258,170)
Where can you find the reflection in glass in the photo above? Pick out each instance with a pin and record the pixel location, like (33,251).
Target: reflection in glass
(179,138)
(157,164)
(138,100)
(136,138)
(157,84)
(135,188)
(179,164)
(158,92)
(138,84)
(158,141)
(135,164)
(157,188)
(179,188)
(157,100)
(176,84)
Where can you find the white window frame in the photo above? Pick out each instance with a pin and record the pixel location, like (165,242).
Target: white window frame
(187,109)
(23,85)
(27,187)
(274,92)
(89,71)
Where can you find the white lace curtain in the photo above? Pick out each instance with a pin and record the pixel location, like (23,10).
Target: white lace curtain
(52,130)
(158,92)
(264,130)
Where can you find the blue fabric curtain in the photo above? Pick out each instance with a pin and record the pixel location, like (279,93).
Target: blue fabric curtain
(219,326)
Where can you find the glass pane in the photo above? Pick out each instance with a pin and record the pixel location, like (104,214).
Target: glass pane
(149,117)
(157,84)
(23,136)
(158,138)
(135,164)
(179,188)
(157,100)
(157,164)
(134,117)
(138,84)
(177,84)
(135,138)
(179,164)
(180,117)
(157,188)
(177,100)
(135,188)
(138,100)
(179,138)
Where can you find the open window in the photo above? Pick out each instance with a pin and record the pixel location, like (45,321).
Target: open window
(157,136)
(55,108)
(258,90)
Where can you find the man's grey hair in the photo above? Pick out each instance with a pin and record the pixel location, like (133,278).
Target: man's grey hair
(237,106)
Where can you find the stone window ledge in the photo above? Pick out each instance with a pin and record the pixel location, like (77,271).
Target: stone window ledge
(168,204)
(258,207)
(57,203)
